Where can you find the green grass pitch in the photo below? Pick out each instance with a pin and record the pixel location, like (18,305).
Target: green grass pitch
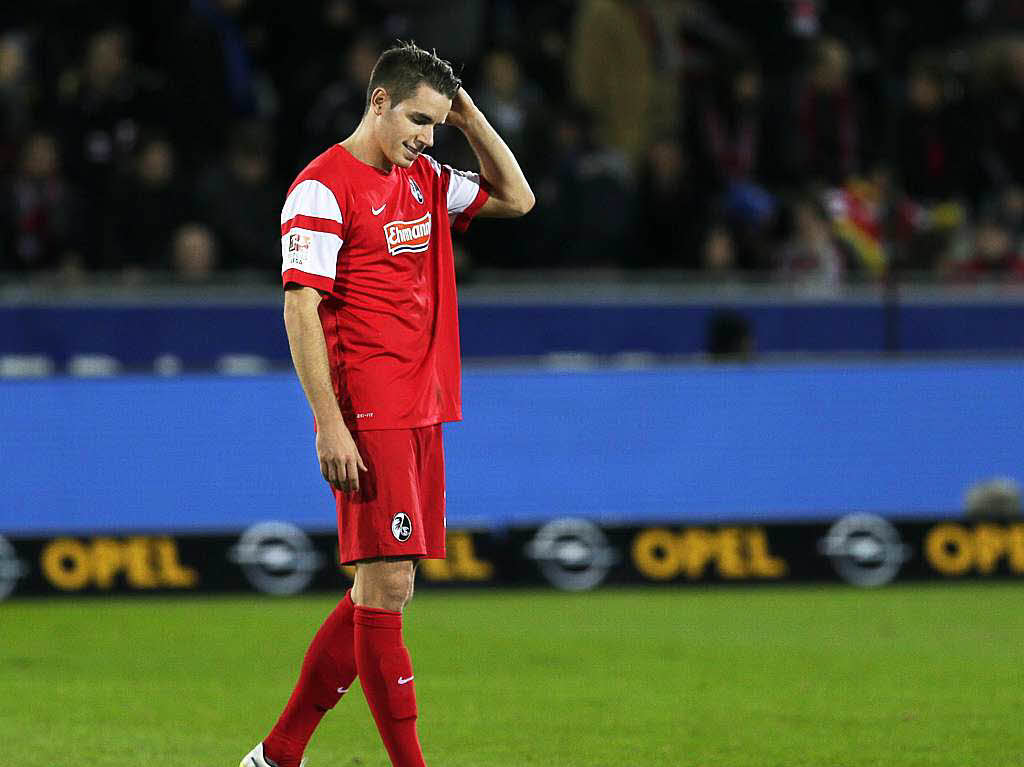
(702,677)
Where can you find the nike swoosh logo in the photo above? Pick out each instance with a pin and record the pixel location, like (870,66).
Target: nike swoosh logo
(377,211)
(405,680)
(342,690)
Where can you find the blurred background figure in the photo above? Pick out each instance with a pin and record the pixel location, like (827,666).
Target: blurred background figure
(1002,71)
(511,102)
(209,76)
(104,102)
(994,500)
(194,253)
(809,258)
(861,210)
(671,208)
(730,337)
(19,94)
(642,122)
(148,203)
(39,212)
(995,256)
(719,252)
(236,199)
(732,145)
(932,166)
(611,73)
(342,101)
(932,144)
(827,131)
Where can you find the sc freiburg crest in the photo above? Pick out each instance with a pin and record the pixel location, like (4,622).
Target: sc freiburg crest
(401,527)
(415,188)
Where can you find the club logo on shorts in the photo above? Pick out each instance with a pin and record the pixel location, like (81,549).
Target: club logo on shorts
(415,189)
(408,236)
(401,527)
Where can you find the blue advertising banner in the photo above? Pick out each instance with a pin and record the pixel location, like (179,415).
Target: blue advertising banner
(695,444)
(198,334)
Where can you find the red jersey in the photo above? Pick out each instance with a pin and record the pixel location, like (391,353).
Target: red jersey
(378,244)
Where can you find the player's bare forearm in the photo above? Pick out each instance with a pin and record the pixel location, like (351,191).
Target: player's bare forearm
(510,193)
(309,354)
(337,453)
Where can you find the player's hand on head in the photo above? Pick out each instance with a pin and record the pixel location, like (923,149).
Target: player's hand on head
(462,104)
(340,462)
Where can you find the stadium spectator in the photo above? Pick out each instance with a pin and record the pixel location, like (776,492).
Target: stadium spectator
(308,51)
(860,210)
(718,253)
(809,258)
(611,72)
(511,101)
(148,202)
(599,201)
(729,337)
(671,205)
(827,134)
(18,94)
(236,199)
(555,216)
(542,46)
(588,206)
(1003,150)
(931,146)
(39,212)
(994,257)
(727,129)
(212,76)
(932,169)
(1007,206)
(993,500)
(195,255)
(773,104)
(104,105)
(342,102)
(458,26)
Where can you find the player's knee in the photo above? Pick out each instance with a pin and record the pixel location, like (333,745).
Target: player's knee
(388,589)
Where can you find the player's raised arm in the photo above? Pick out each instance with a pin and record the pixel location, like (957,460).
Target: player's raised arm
(510,193)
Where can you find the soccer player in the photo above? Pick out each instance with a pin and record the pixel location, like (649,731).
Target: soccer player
(370,311)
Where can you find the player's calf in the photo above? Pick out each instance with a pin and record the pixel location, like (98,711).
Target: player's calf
(386,675)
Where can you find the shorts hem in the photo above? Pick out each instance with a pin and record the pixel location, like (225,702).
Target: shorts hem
(362,556)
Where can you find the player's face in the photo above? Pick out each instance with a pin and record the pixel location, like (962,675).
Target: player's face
(405,129)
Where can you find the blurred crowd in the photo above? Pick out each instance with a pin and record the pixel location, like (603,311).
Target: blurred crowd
(815,142)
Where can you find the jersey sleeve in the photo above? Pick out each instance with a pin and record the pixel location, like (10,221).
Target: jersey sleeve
(311,236)
(467,193)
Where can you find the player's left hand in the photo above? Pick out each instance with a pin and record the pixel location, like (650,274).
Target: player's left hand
(462,107)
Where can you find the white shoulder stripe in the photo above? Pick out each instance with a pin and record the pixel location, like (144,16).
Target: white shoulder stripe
(311,198)
(310,252)
(462,189)
(433,164)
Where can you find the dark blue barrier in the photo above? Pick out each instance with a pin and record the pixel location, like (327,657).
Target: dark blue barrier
(691,444)
(200,333)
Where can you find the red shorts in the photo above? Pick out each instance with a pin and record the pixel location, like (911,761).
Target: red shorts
(399,509)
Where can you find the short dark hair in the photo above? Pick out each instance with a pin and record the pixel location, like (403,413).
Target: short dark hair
(403,66)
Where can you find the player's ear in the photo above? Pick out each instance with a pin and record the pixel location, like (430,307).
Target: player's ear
(379,100)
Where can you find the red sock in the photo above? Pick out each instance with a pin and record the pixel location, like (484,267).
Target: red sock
(385,673)
(327,672)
